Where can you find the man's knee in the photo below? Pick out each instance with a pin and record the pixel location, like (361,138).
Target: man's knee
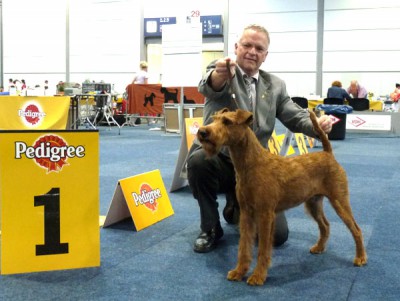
(196,159)
(281,234)
(199,165)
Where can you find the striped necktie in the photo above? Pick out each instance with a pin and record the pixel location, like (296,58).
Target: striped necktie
(251,89)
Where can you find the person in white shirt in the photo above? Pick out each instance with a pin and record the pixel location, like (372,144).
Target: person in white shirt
(142,76)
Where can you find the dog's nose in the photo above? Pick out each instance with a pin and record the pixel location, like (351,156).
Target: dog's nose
(202,133)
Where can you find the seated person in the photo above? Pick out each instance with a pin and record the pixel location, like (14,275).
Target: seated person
(356,90)
(336,91)
(395,95)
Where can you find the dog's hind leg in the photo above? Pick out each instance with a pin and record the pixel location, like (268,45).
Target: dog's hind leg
(343,209)
(246,242)
(314,207)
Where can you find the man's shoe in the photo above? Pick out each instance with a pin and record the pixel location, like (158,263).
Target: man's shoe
(207,241)
(231,211)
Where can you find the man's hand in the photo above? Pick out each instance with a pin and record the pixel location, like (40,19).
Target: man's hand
(325,122)
(221,74)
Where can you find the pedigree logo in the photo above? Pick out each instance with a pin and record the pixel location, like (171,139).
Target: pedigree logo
(32,114)
(50,152)
(194,128)
(356,122)
(147,197)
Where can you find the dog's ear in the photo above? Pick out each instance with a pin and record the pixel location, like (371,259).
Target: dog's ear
(224,110)
(243,116)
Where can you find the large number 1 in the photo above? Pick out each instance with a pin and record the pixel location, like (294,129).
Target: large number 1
(52,244)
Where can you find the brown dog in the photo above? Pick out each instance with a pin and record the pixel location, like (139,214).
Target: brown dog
(267,184)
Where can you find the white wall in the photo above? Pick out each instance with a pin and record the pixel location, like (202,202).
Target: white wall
(34,40)
(360,39)
(293,31)
(104,41)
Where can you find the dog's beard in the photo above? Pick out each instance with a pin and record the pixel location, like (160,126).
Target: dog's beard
(210,148)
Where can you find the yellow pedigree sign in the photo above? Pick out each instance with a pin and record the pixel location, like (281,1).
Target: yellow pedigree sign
(49,200)
(192,126)
(143,197)
(34,112)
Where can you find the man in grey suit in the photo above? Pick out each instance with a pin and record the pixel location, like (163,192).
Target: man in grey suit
(266,96)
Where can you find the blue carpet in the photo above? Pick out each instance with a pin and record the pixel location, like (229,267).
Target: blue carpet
(158,263)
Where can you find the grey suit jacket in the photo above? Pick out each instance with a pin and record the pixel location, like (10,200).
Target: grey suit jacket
(272,101)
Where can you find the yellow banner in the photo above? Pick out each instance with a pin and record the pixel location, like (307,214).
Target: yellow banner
(49,200)
(275,144)
(301,143)
(34,112)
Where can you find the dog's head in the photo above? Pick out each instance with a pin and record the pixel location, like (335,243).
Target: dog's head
(226,129)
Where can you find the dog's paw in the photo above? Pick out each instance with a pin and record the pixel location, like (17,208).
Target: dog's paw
(255,280)
(360,261)
(234,275)
(317,249)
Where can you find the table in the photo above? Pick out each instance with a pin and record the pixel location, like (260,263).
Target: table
(90,107)
(374,105)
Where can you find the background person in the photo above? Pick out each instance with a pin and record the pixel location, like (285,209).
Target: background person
(23,84)
(355,90)
(336,91)
(10,84)
(395,95)
(210,176)
(142,76)
(23,88)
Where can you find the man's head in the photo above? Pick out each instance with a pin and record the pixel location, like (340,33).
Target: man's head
(252,48)
(354,84)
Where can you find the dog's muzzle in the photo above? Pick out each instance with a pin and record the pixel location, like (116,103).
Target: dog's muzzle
(202,134)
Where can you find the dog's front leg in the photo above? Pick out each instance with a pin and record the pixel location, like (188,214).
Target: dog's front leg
(266,229)
(246,241)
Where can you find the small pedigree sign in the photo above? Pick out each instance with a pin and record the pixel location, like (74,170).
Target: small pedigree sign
(143,197)
(369,122)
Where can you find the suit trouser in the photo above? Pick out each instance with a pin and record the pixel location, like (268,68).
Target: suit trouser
(210,176)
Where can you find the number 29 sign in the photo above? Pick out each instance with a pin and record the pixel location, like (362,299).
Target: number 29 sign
(49,200)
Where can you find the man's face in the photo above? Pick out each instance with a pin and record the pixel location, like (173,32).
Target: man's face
(251,51)
(353,87)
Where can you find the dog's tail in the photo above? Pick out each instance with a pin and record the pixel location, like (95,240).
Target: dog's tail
(321,134)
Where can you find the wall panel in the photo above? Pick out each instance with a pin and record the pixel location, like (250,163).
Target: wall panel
(353,19)
(362,40)
(29,42)
(290,62)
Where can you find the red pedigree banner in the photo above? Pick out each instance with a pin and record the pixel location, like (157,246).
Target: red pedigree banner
(149,99)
